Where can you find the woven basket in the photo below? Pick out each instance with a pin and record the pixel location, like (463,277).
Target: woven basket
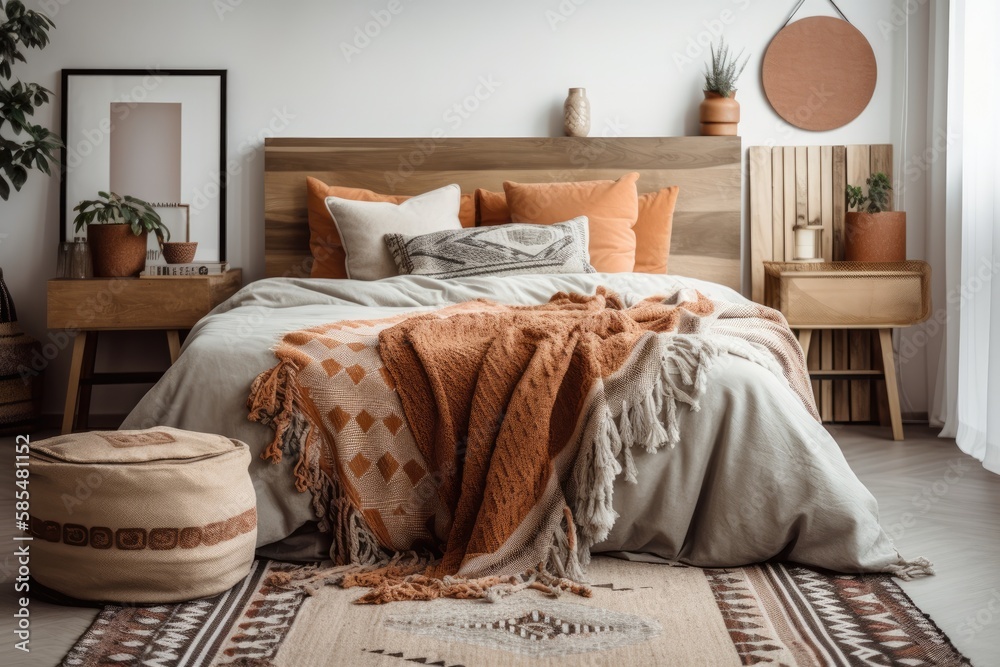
(141,516)
(20,377)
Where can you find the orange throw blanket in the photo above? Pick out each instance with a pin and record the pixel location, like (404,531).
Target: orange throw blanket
(517,422)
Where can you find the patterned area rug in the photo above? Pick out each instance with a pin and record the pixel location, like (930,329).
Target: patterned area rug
(640,615)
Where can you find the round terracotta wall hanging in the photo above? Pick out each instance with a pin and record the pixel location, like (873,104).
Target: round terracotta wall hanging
(819,73)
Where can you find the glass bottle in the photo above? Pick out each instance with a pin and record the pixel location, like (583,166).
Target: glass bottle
(62,264)
(80,260)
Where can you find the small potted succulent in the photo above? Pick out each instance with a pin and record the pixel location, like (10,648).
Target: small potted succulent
(117,229)
(874,232)
(720,112)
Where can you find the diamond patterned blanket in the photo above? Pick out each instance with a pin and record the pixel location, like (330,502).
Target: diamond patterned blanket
(491,435)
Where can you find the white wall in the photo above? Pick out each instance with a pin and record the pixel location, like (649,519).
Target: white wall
(289,75)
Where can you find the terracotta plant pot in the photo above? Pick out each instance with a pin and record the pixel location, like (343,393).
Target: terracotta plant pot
(875,237)
(117,252)
(720,116)
(179,252)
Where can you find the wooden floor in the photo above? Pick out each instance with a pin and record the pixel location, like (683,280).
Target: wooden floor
(935,501)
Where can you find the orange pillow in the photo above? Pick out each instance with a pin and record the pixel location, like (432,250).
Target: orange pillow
(491,208)
(611,206)
(329,260)
(652,229)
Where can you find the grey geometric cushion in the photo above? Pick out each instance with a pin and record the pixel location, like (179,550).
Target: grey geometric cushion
(495,251)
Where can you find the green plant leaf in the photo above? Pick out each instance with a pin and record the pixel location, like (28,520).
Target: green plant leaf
(18,176)
(4,189)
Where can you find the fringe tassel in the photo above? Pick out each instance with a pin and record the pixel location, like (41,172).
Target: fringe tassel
(595,473)
(625,429)
(403,578)
(911,569)
(275,400)
(272,403)
(563,559)
(250,662)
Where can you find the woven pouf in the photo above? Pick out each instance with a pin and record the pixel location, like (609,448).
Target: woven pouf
(160,515)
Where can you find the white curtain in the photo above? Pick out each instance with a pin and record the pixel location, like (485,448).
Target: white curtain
(964,205)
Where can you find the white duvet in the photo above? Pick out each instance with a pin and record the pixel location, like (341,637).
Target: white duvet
(754,477)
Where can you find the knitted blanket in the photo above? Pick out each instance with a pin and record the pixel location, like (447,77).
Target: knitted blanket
(490,436)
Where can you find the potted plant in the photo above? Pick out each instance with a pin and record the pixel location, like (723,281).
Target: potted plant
(29,146)
(24,147)
(874,233)
(117,229)
(720,112)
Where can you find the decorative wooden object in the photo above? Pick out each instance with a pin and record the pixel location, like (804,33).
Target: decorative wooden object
(852,295)
(819,73)
(88,307)
(796,189)
(706,232)
(849,295)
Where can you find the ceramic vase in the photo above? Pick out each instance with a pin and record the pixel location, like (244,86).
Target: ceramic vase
(576,113)
(719,116)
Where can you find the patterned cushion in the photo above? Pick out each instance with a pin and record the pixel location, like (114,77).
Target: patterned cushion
(652,229)
(329,260)
(611,206)
(152,516)
(494,251)
(362,225)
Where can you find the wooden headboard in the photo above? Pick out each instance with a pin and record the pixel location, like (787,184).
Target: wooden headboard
(706,233)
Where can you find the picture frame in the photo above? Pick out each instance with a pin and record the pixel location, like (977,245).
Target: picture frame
(155,134)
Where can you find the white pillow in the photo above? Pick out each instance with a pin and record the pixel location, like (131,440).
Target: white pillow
(363,224)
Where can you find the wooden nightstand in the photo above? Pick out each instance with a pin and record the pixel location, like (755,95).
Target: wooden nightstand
(850,295)
(87,307)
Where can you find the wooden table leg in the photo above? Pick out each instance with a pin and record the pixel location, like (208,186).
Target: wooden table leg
(86,388)
(891,383)
(174,342)
(805,340)
(73,388)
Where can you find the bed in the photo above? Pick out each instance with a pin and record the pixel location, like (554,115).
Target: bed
(754,475)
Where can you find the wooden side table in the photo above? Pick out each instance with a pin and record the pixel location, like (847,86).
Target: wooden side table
(84,308)
(852,295)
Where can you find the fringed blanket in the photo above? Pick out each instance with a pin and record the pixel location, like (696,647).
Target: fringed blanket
(490,436)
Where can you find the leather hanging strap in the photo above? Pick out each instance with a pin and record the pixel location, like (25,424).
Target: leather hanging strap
(802,2)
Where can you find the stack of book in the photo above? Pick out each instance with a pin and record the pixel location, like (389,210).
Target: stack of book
(195,270)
